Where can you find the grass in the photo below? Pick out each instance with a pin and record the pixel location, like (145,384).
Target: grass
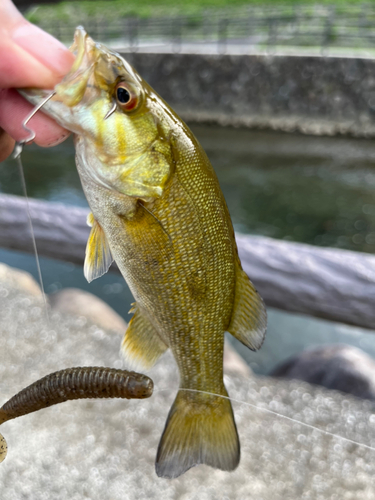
(82,10)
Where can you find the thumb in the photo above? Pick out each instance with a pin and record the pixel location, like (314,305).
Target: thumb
(30,57)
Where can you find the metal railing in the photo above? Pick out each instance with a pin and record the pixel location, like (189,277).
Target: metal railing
(303,26)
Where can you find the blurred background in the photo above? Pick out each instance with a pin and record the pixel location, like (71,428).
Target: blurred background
(214,25)
(281,96)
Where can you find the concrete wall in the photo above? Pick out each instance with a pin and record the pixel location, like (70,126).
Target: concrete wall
(315,95)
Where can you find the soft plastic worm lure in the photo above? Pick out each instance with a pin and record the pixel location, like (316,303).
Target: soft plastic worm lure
(74,383)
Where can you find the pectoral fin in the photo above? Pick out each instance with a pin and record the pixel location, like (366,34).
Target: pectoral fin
(142,345)
(98,257)
(249,317)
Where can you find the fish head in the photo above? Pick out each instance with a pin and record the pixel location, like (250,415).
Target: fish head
(117,117)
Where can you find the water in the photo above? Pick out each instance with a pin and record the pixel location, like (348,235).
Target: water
(317,190)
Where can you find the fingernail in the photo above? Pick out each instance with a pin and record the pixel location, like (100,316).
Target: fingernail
(44,47)
(57,141)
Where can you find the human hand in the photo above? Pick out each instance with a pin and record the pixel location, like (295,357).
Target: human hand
(29,57)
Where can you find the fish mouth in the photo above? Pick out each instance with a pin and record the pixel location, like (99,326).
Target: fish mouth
(95,71)
(95,68)
(89,84)
(71,89)
(82,47)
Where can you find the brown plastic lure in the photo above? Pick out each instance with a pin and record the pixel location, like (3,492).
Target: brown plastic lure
(74,383)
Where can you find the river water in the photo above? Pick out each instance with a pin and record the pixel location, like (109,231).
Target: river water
(317,190)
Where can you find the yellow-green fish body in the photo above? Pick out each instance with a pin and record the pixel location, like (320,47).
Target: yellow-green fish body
(158,211)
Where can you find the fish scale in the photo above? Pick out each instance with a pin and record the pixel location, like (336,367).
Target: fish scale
(158,211)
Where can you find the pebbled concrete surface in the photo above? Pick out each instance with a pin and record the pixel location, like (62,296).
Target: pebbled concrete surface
(106,449)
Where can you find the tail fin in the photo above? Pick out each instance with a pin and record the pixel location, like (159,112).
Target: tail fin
(200,429)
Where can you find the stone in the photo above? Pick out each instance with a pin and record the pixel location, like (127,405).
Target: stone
(340,367)
(80,303)
(309,94)
(104,449)
(19,280)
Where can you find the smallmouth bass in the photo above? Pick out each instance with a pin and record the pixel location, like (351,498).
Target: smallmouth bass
(158,211)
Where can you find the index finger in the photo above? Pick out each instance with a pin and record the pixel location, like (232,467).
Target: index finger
(13,111)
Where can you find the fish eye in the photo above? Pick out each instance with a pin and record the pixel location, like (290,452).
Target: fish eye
(123,95)
(126,97)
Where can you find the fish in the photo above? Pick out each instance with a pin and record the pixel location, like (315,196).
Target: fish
(157,210)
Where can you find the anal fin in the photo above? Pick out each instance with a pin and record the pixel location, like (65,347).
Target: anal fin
(142,345)
(249,317)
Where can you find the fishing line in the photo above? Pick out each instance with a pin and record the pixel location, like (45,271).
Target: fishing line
(17,156)
(272,412)
(23,182)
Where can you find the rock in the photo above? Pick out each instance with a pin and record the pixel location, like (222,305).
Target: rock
(80,303)
(234,362)
(19,280)
(105,449)
(341,367)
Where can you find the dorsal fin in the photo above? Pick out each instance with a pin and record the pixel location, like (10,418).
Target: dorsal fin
(249,317)
(98,258)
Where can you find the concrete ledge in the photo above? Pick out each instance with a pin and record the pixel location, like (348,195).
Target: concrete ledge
(310,94)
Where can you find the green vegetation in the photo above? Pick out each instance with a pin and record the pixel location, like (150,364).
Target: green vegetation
(115,9)
(82,10)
